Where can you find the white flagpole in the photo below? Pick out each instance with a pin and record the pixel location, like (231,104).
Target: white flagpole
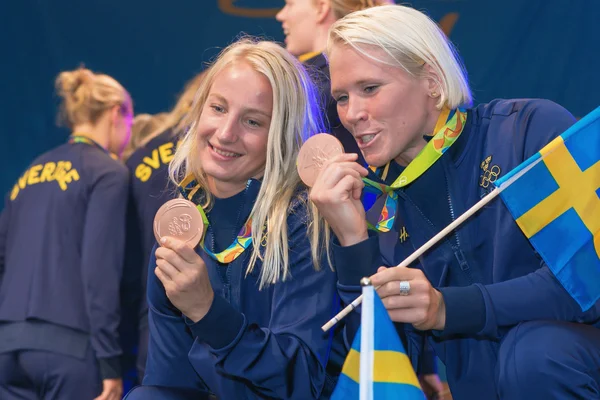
(431,242)
(367,330)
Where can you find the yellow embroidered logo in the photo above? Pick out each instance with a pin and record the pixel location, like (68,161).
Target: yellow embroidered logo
(403,235)
(60,172)
(162,155)
(490,173)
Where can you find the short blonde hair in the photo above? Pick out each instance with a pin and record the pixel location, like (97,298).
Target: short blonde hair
(341,8)
(295,117)
(411,40)
(86,96)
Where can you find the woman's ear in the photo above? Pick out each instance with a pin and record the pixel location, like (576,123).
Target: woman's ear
(433,87)
(323,9)
(432,82)
(115,113)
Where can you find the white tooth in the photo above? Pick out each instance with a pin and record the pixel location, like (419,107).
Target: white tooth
(225,153)
(367,138)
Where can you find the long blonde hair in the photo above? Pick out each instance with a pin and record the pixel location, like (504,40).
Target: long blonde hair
(86,96)
(411,40)
(295,117)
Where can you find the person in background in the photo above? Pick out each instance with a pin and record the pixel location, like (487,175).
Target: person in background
(62,236)
(496,315)
(132,284)
(150,188)
(143,126)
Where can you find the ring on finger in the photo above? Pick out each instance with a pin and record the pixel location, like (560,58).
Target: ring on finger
(404,288)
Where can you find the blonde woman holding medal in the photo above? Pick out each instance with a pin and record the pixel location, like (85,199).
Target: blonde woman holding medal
(492,310)
(239,315)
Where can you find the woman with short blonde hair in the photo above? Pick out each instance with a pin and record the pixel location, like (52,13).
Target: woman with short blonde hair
(483,298)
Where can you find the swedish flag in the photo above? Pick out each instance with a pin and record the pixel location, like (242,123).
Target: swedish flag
(555,198)
(377,366)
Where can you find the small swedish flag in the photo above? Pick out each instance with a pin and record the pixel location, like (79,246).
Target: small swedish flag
(377,366)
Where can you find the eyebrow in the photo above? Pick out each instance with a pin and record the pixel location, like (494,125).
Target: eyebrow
(246,109)
(357,83)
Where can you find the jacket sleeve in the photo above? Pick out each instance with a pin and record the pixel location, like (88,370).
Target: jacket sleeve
(102,264)
(170,340)
(287,358)
(352,264)
(540,297)
(540,294)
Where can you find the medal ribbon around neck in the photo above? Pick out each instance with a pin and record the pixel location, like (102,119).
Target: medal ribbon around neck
(448,128)
(80,138)
(188,188)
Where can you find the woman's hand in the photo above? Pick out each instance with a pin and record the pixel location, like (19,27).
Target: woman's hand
(336,193)
(185,278)
(423,306)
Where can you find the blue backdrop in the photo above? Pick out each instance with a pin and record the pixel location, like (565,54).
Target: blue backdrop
(512,48)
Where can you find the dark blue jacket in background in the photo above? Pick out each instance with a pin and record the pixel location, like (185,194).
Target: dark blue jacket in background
(252,343)
(62,235)
(489,274)
(150,188)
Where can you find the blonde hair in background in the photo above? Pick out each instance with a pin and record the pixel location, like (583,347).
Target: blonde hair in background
(143,126)
(174,119)
(86,96)
(341,8)
(295,117)
(411,40)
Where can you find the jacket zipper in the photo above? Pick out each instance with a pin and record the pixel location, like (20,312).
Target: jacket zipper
(462,261)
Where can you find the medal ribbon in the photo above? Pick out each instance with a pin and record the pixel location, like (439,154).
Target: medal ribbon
(448,128)
(188,188)
(79,138)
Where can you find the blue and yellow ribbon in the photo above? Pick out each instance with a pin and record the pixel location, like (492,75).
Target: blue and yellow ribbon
(188,188)
(448,128)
